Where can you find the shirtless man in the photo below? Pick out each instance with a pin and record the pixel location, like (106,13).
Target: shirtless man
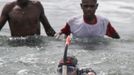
(24,17)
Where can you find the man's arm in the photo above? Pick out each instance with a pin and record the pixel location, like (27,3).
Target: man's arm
(111,32)
(4,16)
(49,30)
(66,30)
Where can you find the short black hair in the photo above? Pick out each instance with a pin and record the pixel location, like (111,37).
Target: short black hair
(86,70)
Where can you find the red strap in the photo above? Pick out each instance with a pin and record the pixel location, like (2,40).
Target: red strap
(68,40)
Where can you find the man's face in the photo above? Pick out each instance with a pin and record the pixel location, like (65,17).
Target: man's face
(89,7)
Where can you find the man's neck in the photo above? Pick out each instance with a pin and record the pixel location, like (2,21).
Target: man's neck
(90,19)
(22,5)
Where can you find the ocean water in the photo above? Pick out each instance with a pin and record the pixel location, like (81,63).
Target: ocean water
(39,55)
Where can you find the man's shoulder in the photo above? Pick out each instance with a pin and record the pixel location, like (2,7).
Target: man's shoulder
(11,3)
(75,17)
(36,3)
(101,17)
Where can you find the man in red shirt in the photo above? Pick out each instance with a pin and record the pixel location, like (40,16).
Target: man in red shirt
(89,24)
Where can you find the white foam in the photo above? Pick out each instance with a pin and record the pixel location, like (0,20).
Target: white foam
(30,58)
(1,62)
(23,72)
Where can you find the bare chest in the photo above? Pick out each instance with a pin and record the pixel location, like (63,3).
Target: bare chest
(29,12)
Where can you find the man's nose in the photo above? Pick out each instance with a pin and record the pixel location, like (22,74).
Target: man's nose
(89,8)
